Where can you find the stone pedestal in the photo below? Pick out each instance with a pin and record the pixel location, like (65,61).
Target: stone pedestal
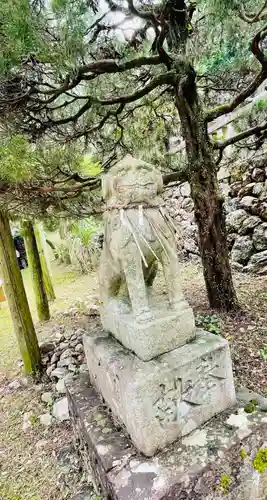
(215,462)
(164,331)
(164,399)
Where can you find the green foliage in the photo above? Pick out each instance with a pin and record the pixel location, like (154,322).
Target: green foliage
(243,454)
(209,323)
(17,159)
(33,419)
(224,484)
(265,295)
(260,461)
(261,105)
(251,406)
(263,352)
(89,166)
(23,36)
(84,229)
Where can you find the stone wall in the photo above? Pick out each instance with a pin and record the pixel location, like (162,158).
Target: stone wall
(245,189)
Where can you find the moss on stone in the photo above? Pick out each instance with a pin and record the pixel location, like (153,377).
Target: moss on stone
(243,454)
(250,407)
(260,460)
(224,484)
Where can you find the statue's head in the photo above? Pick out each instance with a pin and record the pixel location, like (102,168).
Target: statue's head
(131,181)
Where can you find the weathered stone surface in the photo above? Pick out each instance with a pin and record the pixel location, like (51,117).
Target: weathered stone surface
(63,346)
(46,347)
(79,348)
(191,469)
(245,198)
(65,362)
(247,189)
(235,219)
(28,418)
(185,189)
(188,205)
(242,249)
(258,188)
(164,331)
(225,188)
(83,368)
(14,385)
(61,410)
(168,397)
(249,203)
(258,175)
(60,386)
(249,224)
(138,235)
(190,246)
(245,395)
(49,370)
(68,353)
(59,372)
(54,358)
(47,397)
(46,419)
(72,368)
(258,263)
(260,237)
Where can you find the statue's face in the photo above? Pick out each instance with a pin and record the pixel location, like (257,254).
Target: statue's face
(135,185)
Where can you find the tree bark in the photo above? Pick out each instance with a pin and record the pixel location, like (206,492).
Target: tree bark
(17,300)
(38,231)
(208,201)
(36,272)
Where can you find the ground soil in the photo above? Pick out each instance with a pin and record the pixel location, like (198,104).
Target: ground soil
(30,469)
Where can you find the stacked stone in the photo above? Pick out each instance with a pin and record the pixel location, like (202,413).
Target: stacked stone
(180,206)
(64,357)
(245,191)
(247,220)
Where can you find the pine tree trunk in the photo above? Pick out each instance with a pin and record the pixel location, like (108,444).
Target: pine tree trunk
(38,230)
(36,272)
(208,201)
(17,300)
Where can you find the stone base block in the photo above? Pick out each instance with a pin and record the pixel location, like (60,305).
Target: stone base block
(148,338)
(161,400)
(215,462)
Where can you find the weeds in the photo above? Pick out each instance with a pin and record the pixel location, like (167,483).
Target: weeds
(209,323)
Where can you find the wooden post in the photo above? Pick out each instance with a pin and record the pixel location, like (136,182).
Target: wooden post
(38,231)
(17,300)
(36,272)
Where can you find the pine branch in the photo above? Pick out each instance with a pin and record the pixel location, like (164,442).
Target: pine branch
(258,80)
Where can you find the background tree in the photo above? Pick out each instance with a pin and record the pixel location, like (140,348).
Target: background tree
(17,300)
(158,61)
(36,272)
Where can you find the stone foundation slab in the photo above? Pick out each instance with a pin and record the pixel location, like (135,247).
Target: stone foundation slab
(214,462)
(161,400)
(164,331)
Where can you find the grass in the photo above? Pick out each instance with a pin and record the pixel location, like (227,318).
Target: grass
(27,472)
(68,286)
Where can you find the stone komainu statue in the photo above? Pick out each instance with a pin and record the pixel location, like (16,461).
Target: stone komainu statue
(137,235)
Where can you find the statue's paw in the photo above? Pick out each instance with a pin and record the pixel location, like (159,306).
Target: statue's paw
(144,316)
